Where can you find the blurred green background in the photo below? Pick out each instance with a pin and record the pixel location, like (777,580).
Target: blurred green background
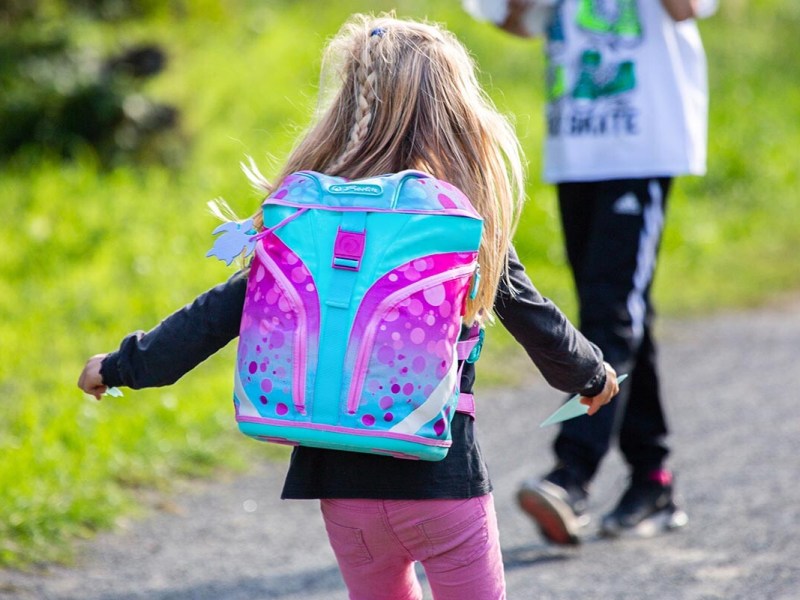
(104,227)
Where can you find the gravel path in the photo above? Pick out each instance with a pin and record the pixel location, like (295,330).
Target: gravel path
(733,407)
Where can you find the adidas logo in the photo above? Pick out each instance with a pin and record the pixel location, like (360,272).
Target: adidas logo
(627,204)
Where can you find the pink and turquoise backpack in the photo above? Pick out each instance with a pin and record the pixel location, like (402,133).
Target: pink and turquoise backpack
(354,304)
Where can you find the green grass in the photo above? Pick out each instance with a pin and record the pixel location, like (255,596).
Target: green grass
(88,256)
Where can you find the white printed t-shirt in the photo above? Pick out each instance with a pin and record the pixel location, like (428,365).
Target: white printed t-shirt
(627,93)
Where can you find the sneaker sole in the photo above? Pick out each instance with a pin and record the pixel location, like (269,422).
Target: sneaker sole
(555,518)
(660,522)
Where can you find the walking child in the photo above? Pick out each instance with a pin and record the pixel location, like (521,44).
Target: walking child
(406,98)
(626,113)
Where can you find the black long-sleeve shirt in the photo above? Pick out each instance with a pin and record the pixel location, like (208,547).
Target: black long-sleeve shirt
(566,359)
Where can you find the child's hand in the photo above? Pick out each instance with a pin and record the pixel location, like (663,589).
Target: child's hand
(610,390)
(90,380)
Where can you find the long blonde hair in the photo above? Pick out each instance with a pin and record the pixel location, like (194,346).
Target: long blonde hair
(407,97)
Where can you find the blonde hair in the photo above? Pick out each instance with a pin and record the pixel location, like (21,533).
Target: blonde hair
(407,97)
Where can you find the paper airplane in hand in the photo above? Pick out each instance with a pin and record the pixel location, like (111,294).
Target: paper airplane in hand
(572,408)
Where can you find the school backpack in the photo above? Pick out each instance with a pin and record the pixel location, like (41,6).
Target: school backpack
(352,315)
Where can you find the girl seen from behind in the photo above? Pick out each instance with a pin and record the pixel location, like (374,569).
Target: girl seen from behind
(405,96)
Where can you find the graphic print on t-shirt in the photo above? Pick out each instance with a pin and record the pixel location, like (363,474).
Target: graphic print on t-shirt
(589,93)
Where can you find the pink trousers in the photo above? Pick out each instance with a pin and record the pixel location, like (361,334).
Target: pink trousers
(377,542)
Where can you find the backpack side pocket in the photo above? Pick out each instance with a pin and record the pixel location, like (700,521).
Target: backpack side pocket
(402,348)
(278,338)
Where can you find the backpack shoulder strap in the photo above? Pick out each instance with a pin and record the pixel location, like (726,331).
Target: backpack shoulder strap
(468,350)
(466,404)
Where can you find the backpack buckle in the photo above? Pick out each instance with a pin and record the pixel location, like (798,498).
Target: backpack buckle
(348,249)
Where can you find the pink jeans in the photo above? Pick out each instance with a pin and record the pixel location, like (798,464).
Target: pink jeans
(376,543)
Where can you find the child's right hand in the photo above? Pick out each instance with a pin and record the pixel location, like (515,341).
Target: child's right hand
(610,390)
(91,381)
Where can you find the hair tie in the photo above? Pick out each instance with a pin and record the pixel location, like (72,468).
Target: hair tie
(379,31)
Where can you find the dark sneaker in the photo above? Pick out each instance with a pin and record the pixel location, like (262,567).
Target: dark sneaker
(647,508)
(557,504)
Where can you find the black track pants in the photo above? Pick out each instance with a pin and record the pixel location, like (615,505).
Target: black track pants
(612,231)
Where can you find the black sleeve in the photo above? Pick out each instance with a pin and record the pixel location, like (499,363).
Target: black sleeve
(181,341)
(567,360)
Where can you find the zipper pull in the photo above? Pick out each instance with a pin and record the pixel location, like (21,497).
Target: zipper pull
(236,239)
(476,281)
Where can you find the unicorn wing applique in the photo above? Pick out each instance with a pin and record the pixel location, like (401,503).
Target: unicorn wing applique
(237,239)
